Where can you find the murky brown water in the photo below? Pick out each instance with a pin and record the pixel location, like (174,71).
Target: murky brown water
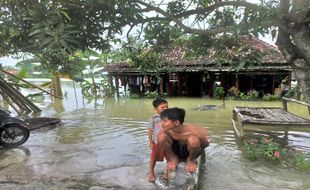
(104,145)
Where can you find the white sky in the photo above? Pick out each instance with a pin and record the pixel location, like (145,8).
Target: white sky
(9,61)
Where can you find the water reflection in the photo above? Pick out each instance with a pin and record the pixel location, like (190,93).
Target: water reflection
(17,152)
(57,104)
(105,141)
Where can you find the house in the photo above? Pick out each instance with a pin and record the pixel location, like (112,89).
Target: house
(199,76)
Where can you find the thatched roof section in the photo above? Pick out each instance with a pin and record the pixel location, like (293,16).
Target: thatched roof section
(272,59)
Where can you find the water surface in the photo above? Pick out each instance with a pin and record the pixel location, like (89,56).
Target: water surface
(103,144)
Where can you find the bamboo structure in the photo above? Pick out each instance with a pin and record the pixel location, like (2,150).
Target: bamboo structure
(267,116)
(285,100)
(17,101)
(35,86)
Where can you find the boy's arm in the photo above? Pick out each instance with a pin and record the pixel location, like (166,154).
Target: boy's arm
(150,134)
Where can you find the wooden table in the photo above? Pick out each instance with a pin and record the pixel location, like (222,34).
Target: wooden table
(273,116)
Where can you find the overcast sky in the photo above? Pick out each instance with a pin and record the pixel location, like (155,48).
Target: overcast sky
(7,61)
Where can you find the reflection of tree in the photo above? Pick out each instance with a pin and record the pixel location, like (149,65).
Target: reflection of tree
(72,135)
(57,104)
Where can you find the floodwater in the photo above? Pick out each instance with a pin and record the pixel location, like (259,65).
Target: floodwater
(103,144)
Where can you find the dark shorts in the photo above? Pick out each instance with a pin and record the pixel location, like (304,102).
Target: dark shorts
(180,149)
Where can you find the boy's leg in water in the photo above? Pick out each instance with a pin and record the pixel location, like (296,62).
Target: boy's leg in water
(151,177)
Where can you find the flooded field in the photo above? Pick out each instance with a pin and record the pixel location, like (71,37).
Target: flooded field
(103,144)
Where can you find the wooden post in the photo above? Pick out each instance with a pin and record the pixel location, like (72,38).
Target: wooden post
(273,81)
(286,134)
(237,81)
(110,81)
(125,85)
(298,96)
(161,85)
(284,104)
(235,122)
(242,130)
(117,86)
(295,101)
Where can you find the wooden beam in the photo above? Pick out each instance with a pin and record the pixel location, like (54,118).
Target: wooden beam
(35,86)
(296,101)
(285,100)
(21,101)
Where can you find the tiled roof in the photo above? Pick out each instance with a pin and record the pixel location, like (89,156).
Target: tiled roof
(271,59)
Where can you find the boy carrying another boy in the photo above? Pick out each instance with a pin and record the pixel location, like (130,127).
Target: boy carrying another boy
(154,128)
(181,142)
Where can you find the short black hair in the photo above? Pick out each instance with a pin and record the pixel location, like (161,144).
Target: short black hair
(159,101)
(174,114)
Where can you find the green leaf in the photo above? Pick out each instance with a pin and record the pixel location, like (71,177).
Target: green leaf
(23,72)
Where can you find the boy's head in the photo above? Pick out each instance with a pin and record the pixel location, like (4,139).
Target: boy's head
(159,105)
(172,117)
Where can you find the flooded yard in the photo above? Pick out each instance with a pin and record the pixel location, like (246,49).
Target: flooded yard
(103,144)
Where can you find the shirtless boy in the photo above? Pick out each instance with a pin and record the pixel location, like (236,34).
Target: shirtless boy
(181,142)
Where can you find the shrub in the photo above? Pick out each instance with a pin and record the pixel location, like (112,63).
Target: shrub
(218,92)
(151,94)
(233,91)
(252,94)
(267,149)
(301,161)
(270,97)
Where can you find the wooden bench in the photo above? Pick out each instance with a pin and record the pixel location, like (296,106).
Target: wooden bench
(272,116)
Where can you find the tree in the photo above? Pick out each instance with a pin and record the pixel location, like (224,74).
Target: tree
(35,69)
(52,30)
(288,21)
(59,27)
(91,62)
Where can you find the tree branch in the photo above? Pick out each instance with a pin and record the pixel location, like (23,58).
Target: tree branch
(202,10)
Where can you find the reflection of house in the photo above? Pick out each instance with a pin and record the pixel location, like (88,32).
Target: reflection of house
(198,77)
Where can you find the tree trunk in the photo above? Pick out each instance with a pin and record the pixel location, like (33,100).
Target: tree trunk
(302,70)
(117,86)
(94,88)
(57,85)
(293,40)
(110,79)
